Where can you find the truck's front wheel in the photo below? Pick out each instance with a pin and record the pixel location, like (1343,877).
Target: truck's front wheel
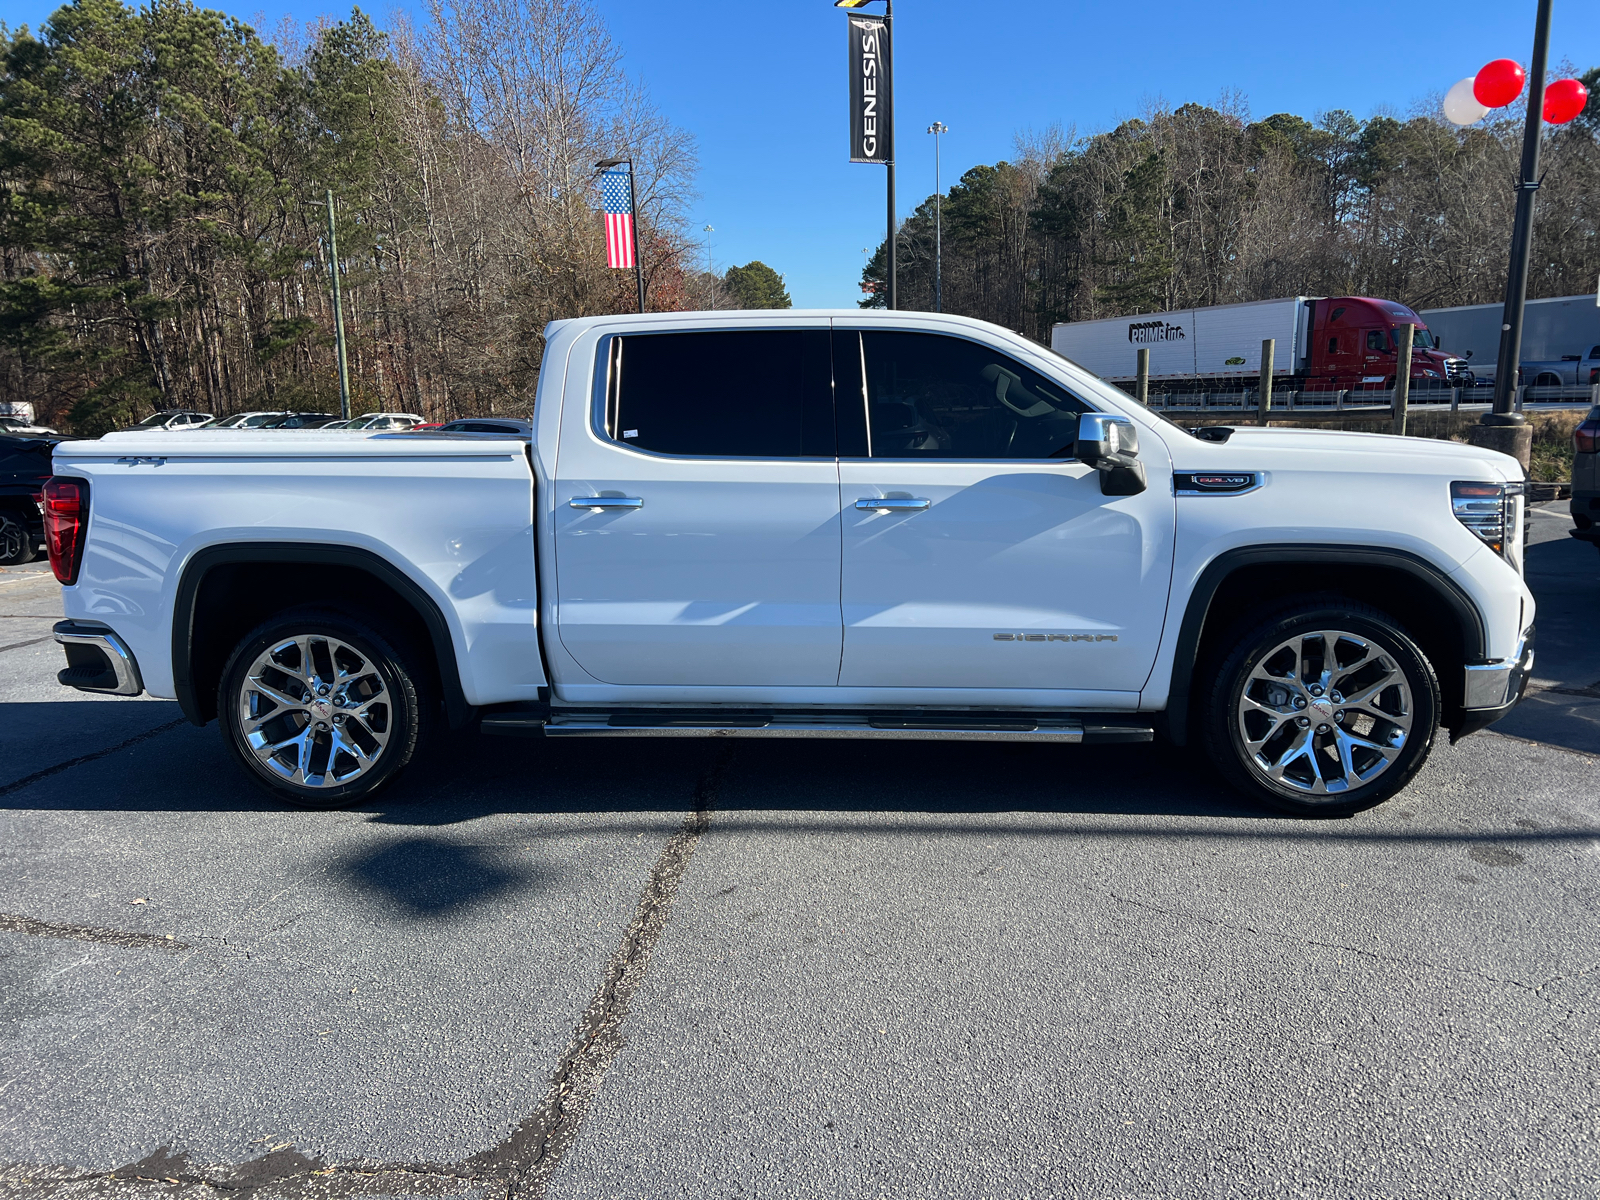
(1324,707)
(319,708)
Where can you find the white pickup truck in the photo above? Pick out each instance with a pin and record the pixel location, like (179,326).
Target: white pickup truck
(805,524)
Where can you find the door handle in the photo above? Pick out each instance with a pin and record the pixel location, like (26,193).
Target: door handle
(871,504)
(605,502)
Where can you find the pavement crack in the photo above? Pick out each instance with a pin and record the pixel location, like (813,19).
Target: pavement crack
(17,785)
(528,1158)
(29,642)
(1397,960)
(11,923)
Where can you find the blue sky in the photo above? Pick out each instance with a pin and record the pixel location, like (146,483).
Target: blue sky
(762,88)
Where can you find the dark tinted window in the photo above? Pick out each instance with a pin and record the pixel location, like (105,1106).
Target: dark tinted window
(931,396)
(740,394)
(1375,340)
(24,457)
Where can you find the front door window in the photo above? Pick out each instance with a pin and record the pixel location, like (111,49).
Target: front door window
(932,396)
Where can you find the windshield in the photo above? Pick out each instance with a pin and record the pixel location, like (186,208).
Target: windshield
(156,419)
(1424,340)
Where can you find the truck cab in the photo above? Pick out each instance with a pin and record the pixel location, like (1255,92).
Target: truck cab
(1355,344)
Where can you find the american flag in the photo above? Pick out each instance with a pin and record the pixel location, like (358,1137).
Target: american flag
(616,202)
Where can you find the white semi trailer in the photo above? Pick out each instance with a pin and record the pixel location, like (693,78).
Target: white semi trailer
(1321,342)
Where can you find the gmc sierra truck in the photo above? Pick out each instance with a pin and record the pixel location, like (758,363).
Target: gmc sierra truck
(805,524)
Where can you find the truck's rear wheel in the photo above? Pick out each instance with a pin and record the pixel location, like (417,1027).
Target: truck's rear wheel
(1323,708)
(320,709)
(16,544)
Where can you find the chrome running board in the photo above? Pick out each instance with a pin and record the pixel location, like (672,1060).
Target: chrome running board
(945,727)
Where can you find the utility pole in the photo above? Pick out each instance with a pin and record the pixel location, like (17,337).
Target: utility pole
(338,313)
(936,129)
(1503,429)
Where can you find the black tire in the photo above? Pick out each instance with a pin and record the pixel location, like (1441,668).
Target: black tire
(1327,763)
(16,543)
(386,716)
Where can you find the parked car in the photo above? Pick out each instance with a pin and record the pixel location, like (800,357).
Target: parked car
(381,422)
(301,420)
(244,420)
(1570,370)
(167,420)
(24,470)
(499,426)
(801,524)
(20,425)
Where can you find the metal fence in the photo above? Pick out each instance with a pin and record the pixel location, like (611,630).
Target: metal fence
(1359,400)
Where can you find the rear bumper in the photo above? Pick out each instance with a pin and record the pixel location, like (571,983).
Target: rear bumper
(97,660)
(1492,690)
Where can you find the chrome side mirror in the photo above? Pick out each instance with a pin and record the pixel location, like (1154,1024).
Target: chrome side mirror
(1110,445)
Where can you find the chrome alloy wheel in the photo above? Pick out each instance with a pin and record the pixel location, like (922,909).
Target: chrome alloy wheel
(315,711)
(1324,712)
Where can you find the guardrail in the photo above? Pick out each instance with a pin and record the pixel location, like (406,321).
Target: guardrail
(1361,401)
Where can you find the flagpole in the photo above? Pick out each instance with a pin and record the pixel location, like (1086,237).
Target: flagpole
(638,265)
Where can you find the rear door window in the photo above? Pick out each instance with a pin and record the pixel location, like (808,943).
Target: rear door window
(933,396)
(722,394)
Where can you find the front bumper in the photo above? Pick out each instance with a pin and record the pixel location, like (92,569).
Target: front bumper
(97,660)
(1492,690)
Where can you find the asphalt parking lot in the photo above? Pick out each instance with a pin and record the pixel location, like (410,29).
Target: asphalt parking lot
(682,969)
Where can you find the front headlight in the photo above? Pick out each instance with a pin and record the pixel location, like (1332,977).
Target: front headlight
(1494,512)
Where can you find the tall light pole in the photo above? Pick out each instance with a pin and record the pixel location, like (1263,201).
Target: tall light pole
(888,75)
(1503,429)
(936,129)
(708,232)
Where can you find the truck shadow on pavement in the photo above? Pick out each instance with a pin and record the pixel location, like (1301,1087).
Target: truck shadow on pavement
(644,785)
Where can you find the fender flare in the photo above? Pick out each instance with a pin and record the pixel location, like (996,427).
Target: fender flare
(457,711)
(1186,654)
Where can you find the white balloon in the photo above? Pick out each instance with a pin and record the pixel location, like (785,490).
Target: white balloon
(1461,107)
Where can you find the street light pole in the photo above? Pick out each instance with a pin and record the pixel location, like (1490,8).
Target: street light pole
(936,129)
(893,290)
(1504,429)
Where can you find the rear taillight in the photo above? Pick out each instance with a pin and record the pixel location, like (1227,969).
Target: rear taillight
(1586,437)
(66,520)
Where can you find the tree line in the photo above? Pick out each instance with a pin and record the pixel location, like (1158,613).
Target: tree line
(163,174)
(1200,205)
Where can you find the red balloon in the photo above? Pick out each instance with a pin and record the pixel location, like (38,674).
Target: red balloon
(1499,83)
(1563,100)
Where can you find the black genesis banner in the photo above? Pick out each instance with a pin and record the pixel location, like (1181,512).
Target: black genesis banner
(871,103)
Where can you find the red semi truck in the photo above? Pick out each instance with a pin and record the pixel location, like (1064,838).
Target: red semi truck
(1323,343)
